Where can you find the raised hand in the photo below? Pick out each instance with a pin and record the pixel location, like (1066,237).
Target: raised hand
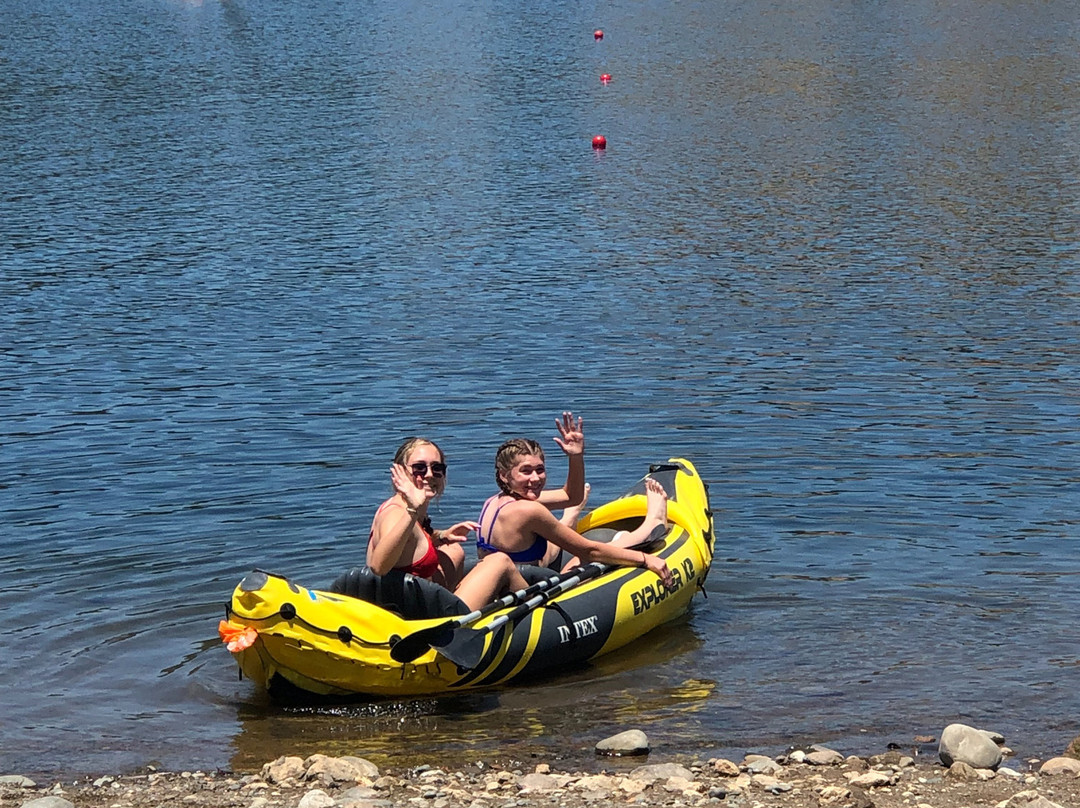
(571,435)
(405,484)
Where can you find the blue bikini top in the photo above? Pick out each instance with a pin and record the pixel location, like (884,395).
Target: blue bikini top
(533,552)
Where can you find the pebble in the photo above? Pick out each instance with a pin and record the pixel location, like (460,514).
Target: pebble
(661,771)
(830,795)
(824,757)
(316,798)
(871,779)
(725,768)
(815,775)
(962,771)
(771,784)
(760,764)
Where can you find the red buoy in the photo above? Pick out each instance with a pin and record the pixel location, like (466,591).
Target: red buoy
(598,34)
(599,142)
(605,78)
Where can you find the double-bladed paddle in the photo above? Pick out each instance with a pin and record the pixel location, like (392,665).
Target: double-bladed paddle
(465,647)
(409,648)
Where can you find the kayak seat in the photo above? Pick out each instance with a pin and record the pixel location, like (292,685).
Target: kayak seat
(400,592)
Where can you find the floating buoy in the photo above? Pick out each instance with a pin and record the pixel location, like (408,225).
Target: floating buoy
(599,142)
(605,78)
(598,34)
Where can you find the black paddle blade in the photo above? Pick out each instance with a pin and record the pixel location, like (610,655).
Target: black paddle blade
(416,644)
(655,540)
(465,648)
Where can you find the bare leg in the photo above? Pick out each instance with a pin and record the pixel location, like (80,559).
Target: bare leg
(552,553)
(451,565)
(655,514)
(571,515)
(493,576)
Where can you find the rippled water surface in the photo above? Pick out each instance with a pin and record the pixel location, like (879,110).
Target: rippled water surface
(830,254)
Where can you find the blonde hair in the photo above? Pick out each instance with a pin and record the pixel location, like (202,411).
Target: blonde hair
(402,454)
(507,455)
(407,446)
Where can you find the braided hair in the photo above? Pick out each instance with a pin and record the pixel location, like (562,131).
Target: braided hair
(507,456)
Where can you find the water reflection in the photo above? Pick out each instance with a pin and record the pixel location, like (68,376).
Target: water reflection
(560,715)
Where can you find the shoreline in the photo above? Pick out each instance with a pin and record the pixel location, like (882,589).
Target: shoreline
(814,778)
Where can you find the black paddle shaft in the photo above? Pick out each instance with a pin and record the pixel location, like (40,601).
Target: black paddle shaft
(465,647)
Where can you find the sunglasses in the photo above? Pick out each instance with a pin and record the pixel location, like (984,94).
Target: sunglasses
(421,468)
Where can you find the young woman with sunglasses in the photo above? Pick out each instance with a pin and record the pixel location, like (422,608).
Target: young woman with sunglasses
(402,537)
(518,522)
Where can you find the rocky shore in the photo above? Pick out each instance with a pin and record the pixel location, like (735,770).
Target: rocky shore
(979,774)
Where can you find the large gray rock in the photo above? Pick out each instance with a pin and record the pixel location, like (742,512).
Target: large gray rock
(1028,799)
(540,782)
(282,769)
(661,771)
(363,765)
(631,742)
(49,802)
(1061,765)
(17,780)
(331,770)
(964,744)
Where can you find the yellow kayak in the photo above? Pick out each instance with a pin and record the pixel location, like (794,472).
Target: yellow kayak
(422,640)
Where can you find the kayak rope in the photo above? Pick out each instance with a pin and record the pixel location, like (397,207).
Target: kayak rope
(343,633)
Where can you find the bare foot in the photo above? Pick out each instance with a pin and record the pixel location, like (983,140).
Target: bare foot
(655,515)
(571,515)
(655,504)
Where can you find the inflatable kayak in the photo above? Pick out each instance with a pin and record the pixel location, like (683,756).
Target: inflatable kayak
(396,635)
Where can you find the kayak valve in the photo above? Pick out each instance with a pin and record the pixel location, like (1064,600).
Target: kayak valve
(254,581)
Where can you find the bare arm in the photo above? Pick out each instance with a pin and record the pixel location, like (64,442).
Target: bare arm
(455,534)
(541,521)
(392,530)
(390,536)
(572,441)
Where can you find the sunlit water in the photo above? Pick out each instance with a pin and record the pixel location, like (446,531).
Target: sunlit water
(831,255)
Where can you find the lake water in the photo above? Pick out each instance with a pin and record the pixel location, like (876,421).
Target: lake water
(831,254)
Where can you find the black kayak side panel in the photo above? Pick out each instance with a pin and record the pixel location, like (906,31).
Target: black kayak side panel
(400,592)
